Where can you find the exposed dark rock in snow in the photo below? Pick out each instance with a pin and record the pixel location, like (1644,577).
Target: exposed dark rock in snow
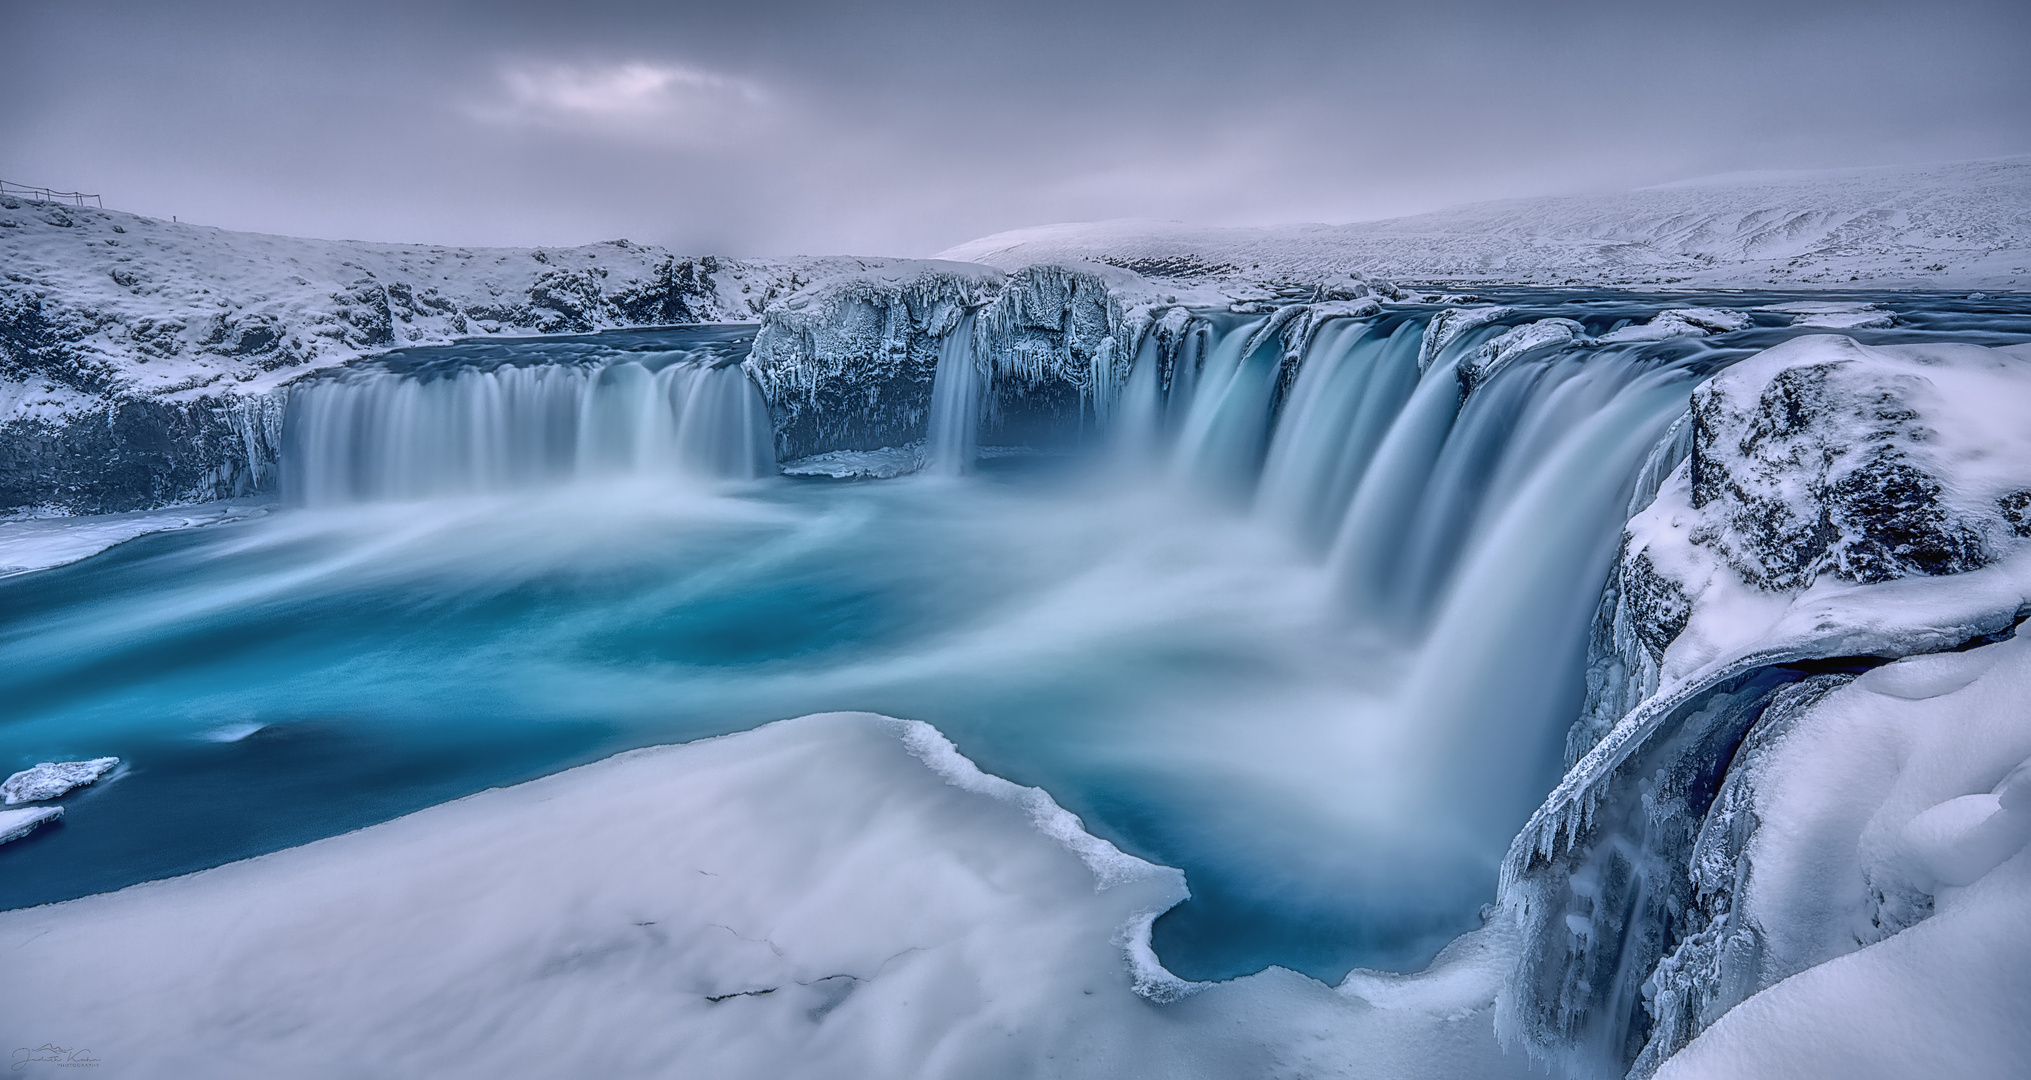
(1824,457)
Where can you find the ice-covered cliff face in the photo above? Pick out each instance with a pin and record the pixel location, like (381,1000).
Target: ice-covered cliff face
(848,363)
(136,354)
(1964,225)
(1840,505)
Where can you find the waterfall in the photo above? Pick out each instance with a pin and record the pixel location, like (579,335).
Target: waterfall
(950,444)
(379,434)
(1468,530)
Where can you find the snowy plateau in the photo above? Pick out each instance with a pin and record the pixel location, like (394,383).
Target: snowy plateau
(1651,564)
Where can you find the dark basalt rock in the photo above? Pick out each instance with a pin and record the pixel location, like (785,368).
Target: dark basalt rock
(1823,472)
(1660,607)
(1891,522)
(2016,508)
(135,455)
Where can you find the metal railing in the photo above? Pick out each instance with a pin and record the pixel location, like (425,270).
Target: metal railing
(43,194)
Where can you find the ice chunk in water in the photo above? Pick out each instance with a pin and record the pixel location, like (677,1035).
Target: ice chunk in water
(53,778)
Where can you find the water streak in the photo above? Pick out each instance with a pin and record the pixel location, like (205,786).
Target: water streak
(377,435)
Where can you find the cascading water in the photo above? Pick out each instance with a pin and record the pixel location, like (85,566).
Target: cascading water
(372,435)
(951,443)
(1468,535)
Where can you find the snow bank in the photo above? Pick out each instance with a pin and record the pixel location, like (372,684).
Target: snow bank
(41,543)
(806,899)
(1960,225)
(1889,897)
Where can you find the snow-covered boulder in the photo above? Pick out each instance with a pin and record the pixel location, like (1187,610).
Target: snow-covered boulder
(1823,456)
(1683,322)
(1834,314)
(1480,365)
(53,779)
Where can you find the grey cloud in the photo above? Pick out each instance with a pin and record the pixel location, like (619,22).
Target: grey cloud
(902,128)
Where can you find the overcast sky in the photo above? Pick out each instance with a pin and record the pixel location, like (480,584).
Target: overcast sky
(760,128)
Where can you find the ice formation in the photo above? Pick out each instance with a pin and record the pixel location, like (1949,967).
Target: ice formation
(15,824)
(851,362)
(53,779)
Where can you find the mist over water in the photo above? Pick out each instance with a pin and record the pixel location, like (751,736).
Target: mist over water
(1317,641)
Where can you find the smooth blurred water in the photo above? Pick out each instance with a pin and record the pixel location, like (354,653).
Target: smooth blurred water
(1315,643)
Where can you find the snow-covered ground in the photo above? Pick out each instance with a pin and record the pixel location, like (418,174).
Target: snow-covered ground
(1962,225)
(1905,790)
(836,896)
(28,544)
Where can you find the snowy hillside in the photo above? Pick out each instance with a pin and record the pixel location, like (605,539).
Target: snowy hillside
(1962,225)
(98,301)
(138,356)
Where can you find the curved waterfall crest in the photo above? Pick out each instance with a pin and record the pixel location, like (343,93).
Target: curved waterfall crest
(376,434)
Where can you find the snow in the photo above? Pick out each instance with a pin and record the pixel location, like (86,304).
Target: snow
(1684,322)
(1834,314)
(1957,225)
(805,899)
(15,824)
(42,543)
(111,302)
(52,779)
(1890,884)
(1959,414)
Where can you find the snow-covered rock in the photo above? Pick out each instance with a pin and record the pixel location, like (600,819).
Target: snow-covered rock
(139,358)
(1822,456)
(1834,314)
(1959,225)
(1683,322)
(1480,365)
(15,824)
(847,363)
(1838,505)
(53,779)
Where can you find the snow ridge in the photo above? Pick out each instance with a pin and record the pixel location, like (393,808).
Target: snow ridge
(1958,225)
